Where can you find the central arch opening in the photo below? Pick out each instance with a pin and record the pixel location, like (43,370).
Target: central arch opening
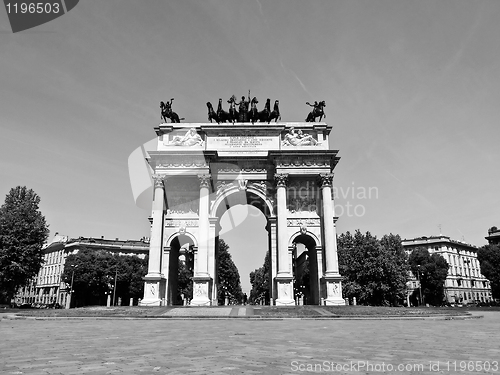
(242,226)
(248,241)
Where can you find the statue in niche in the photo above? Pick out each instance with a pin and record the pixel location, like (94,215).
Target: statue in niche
(316,112)
(166,112)
(191,138)
(298,138)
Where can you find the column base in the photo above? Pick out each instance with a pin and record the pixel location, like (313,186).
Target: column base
(154,286)
(150,302)
(201,291)
(334,291)
(284,286)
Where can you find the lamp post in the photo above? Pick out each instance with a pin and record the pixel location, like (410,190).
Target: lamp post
(114,287)
(419,284)
(68,301)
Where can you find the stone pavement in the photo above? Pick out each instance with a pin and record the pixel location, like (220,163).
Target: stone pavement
(229,346)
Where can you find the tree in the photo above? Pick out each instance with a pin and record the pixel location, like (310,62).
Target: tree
(374,271)
(23,231)
(432,270)
(228,277)
(184,281)
(260,282)
(94,276)
(489,260)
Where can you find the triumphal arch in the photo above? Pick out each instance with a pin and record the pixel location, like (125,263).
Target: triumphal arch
(284,169)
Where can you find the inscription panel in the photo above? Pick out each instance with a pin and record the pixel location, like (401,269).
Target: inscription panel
(243,143)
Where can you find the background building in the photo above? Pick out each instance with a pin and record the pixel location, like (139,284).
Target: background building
(493,236)
(48,288)
(465,283)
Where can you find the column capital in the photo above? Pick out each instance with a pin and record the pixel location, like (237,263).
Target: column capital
(325,179)
(281,179)
(158,180)
(204,180)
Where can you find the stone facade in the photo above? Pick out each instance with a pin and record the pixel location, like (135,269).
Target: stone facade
(465,283)
(48,288)
(201,170)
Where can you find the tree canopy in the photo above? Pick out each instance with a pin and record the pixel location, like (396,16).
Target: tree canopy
(375,271)
(260,282)
(184,281)
(432,271)
(489,260)
(95,272)
(228,277)
(23,231)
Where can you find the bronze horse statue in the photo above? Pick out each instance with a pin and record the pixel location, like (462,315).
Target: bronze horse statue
(223,115)
(166,112)
(253,114)
(266,112)
(211,113)
(316,112)
(275,114)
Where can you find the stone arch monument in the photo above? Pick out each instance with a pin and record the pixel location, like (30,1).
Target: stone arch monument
(283,169)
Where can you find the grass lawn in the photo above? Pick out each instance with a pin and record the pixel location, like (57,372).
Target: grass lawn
(263,311)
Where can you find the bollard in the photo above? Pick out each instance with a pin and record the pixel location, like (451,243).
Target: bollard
(131,302)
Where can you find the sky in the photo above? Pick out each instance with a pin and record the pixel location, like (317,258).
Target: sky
(411,87)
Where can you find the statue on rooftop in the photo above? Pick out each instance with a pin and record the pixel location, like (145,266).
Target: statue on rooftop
(316,112)
(243,108)
(166,112)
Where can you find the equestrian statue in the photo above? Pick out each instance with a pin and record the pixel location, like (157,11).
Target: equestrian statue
(166,112)
(316,112)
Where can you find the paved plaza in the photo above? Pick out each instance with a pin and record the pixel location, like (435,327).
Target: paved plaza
(242,346)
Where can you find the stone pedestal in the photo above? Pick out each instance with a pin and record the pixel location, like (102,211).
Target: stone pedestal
(284,286)
(201,291)
(334,291)
(152,293)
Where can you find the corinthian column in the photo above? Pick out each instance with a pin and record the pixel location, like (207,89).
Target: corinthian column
(152,279)
(201,279)
(284,277)
(331,276)
(204,225)
(283,262)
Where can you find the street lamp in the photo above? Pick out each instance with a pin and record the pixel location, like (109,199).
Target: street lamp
(419,284)
(114,287)
(68,301)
